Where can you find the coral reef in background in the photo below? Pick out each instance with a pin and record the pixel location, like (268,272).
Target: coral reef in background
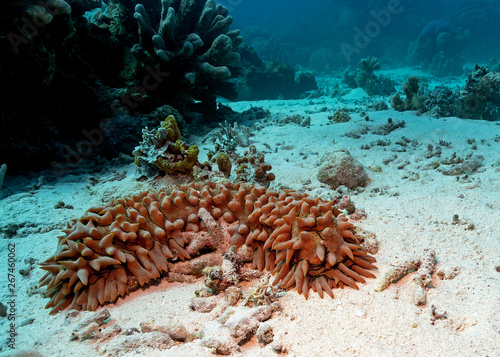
(326,61)
(88,47)
(494,65)
(193,44)
(365,78)
(41,12)
(271,49)
(480,18)
(479,98)
(46,49)
(438,48)
(276,81)
(306,242)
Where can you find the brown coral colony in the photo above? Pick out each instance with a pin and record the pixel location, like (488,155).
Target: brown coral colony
(306,242)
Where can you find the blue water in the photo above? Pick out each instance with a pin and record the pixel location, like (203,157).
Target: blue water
(327,24)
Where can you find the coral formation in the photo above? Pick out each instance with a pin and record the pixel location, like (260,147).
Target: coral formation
(479,98)
(162,150)
(340,116)
(305,241)
(41,12)
(438,48)
(413,96)
(249,167)
(366,79)
(228,137)
(253,168)
(223,163)
(220,278)
(340,168)
(193,44)
(285,119)
(119,81)
(387,128)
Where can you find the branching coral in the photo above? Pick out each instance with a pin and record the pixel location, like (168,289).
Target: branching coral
(413,93)
(304,241)
(192,42)
(366,78)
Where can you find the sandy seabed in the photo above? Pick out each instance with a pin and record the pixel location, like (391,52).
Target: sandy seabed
(409,205)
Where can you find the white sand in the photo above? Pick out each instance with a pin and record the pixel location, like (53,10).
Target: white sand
(409,209)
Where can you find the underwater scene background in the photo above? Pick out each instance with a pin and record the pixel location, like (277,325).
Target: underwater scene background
(200,177)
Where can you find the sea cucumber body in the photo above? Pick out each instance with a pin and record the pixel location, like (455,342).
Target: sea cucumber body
(304,241)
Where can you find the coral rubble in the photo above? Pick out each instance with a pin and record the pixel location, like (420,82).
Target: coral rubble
(306,242)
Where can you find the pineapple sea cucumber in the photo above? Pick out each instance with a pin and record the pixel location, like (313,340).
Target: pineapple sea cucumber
(305,242)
